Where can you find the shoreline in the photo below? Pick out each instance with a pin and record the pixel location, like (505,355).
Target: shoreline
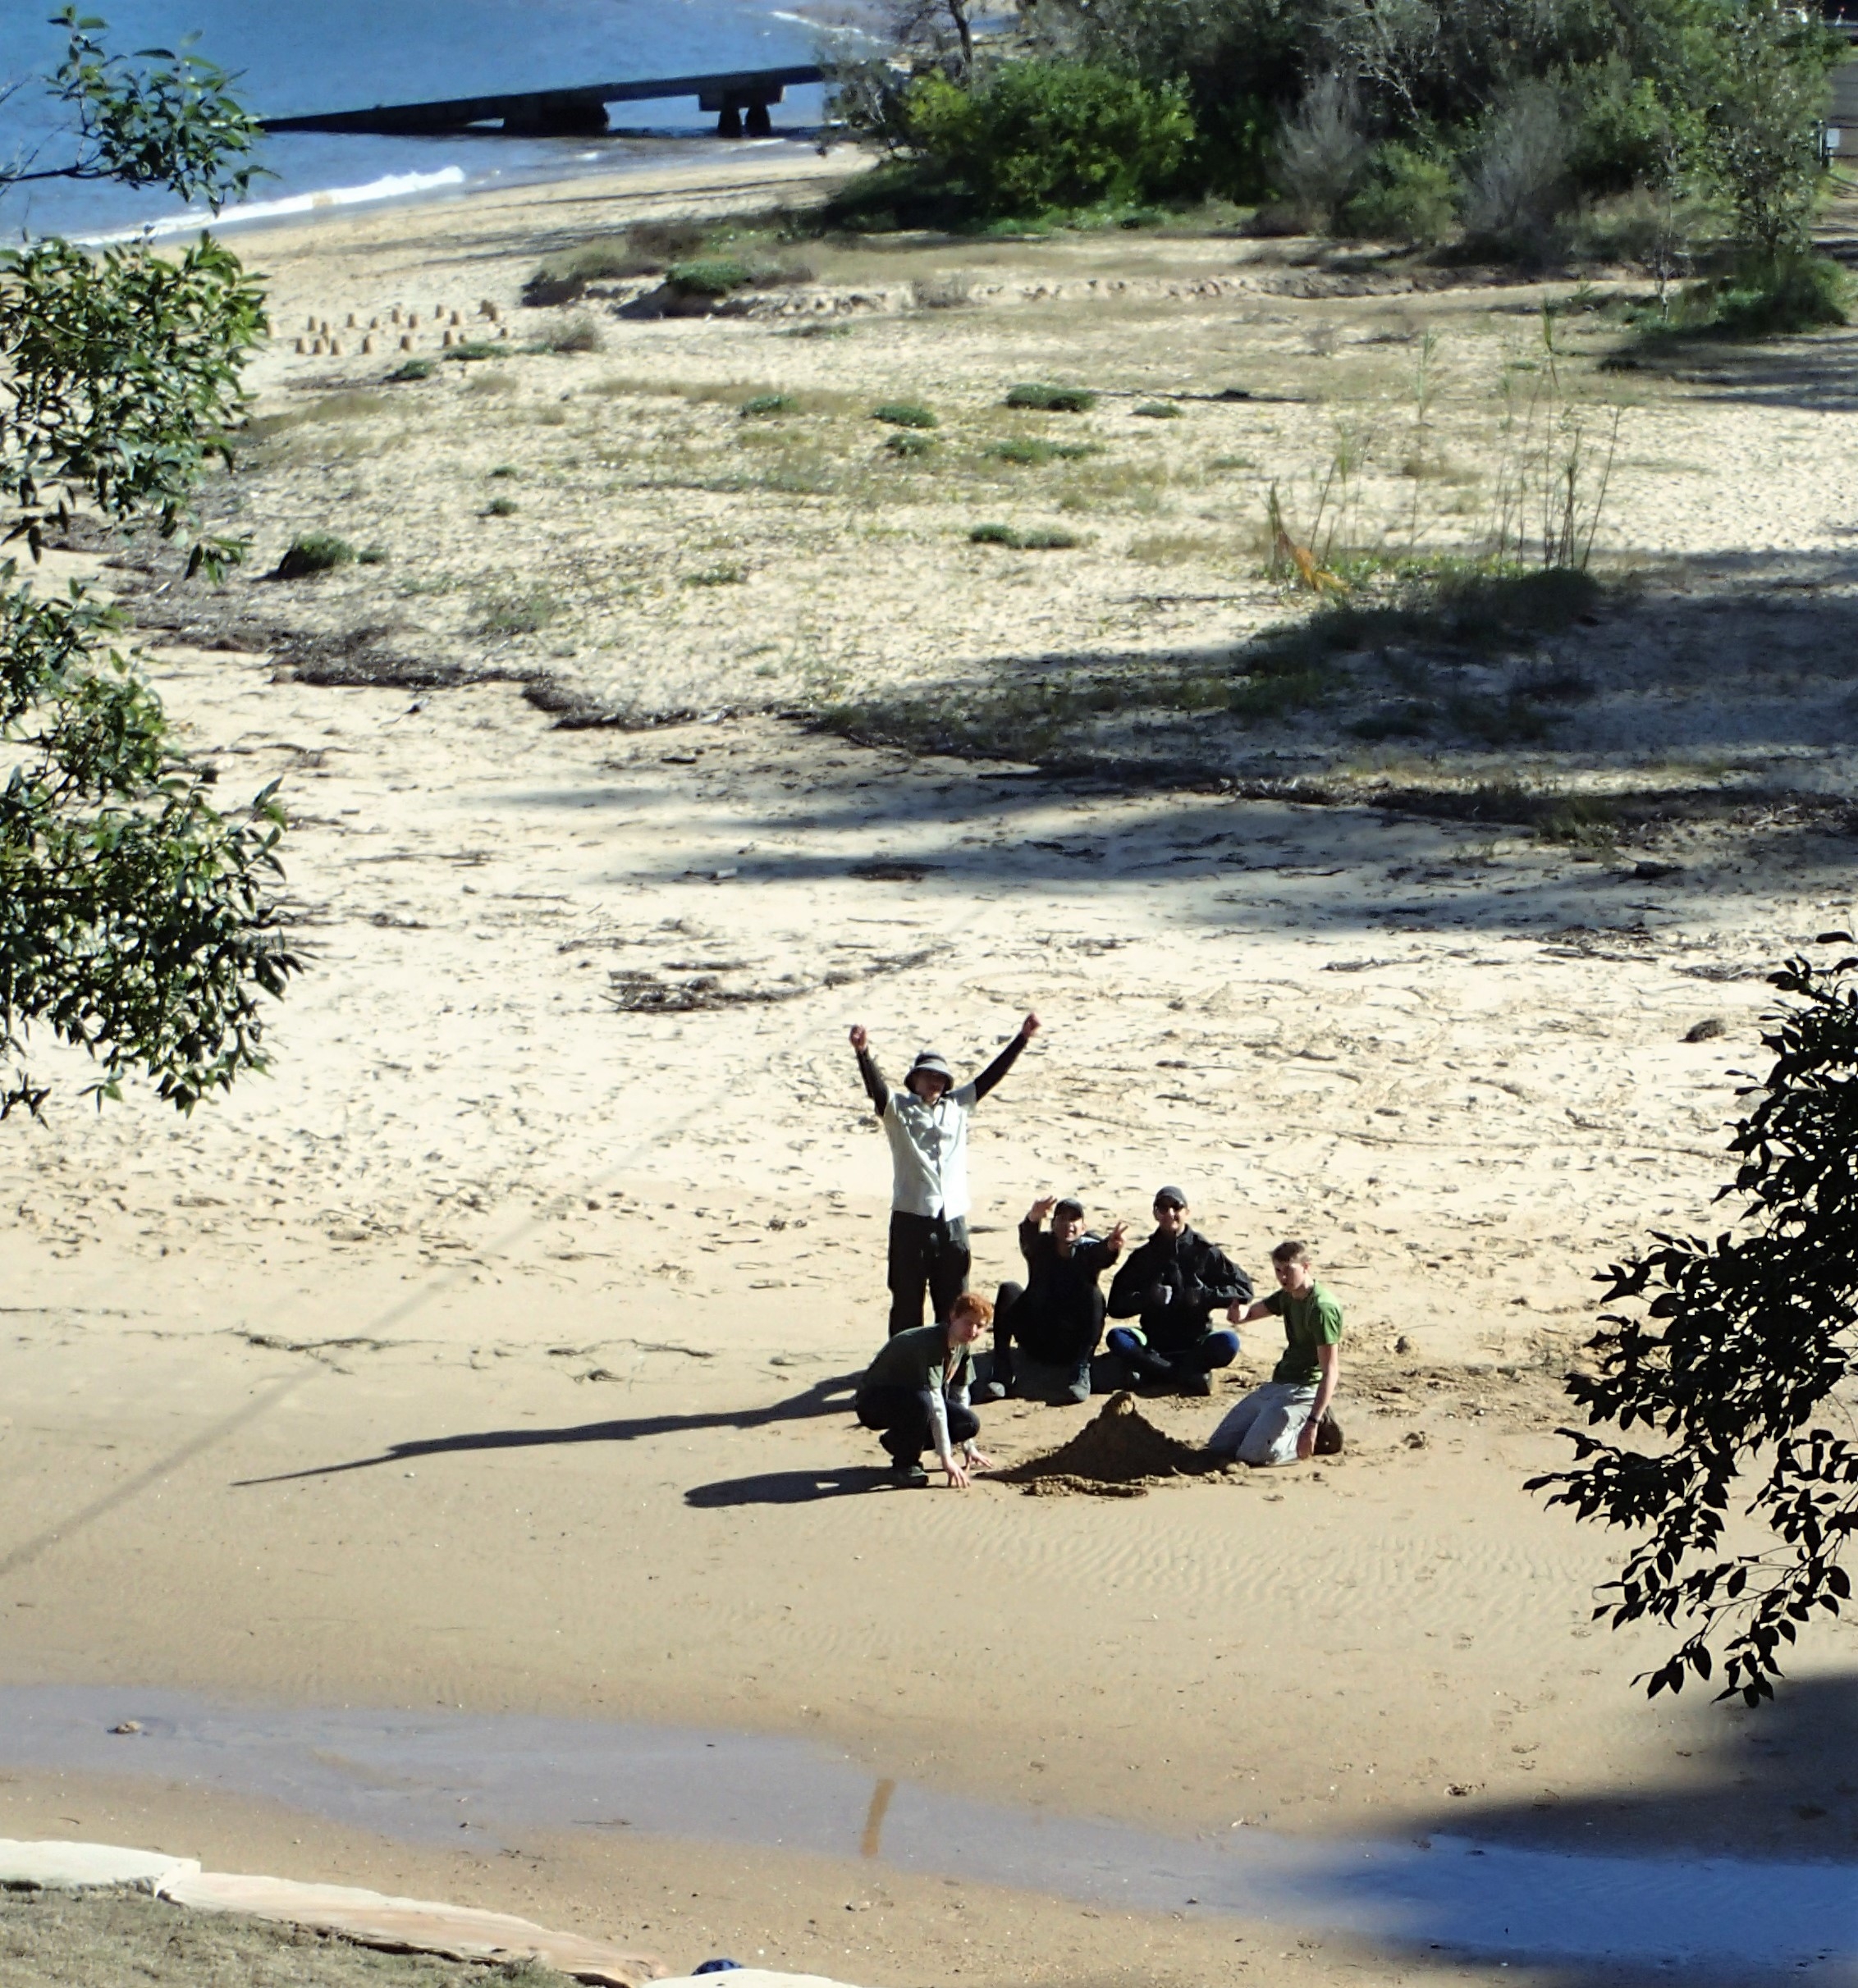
(673,154)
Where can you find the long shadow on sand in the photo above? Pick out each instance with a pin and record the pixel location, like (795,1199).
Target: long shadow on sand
(791,1487)
(827,1398)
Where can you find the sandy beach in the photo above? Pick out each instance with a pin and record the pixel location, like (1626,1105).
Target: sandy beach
(492,1355)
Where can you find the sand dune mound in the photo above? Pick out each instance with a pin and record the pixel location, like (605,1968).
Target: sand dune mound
(1117,1455)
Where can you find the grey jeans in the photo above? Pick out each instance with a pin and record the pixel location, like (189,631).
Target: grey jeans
(1263,1428)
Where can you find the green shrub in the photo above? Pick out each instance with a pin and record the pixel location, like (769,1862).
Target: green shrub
(371,556)
(1040,539)
(906,414)
(909,444)
(519,613)
(573,334)
(1768,297)
(500,507)
(316,552)
(1031,137)
(713,277)
(717,575)
(505,469)
(1158,410)
(1409,196)
(1030,451)
(767,404)
(413,369)
(1051,399)
(467,350)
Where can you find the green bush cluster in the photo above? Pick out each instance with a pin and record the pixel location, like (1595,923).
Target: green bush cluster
(315,552)
(1655,130)
(1028,138)
(907,414)
(1051,399)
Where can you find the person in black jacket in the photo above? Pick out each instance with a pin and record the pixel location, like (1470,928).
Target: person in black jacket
(1171,1287)
(1057,1315)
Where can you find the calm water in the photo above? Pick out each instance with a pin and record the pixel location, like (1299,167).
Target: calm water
(434,1776)
(348,54)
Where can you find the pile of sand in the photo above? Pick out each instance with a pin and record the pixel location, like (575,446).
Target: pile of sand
(1117,1455)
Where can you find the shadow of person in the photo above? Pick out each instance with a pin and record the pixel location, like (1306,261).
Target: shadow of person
(826,1397)
(791,1486)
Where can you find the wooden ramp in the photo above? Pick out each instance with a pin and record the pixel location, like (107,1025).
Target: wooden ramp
(739,98)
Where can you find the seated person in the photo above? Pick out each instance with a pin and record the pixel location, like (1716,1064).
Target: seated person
(1280,1420)
(1057,1315)
(1169,1286)
(915,1394)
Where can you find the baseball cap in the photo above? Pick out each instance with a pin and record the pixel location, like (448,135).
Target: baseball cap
(1071,1206)
(1171,1195)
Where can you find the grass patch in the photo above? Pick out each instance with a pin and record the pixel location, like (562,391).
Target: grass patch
(1051,399)
(1178,548)
(717,575)
(502,507)
(1451,603)
(371,556)
(906,414)
(760,404)
(517,614)
(709,276)
(1031,450)
(505,469)
(912,447)
(412,369)
(1580,821)
(351,406)
(315,552)
(1771,298)
(470,350)
(572,335)
(1158,410)
(1039,539)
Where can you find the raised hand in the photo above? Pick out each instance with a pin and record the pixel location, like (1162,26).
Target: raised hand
(1029,1027)
(1115,1236)
(859,1038)
(1042,1208)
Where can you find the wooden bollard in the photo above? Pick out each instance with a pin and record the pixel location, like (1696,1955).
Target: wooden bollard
(448,339)
(413,321)
(405,343)
(300,348)
(336,347)
(311,324)
(394,314)
(367,344)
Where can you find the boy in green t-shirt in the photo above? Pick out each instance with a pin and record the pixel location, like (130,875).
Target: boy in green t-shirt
(1279,1421)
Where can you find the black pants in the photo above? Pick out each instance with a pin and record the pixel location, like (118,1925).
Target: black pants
(927,1253)
(1070,1346)
(903,1417)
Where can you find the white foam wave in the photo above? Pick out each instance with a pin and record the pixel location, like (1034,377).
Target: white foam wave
(393,186)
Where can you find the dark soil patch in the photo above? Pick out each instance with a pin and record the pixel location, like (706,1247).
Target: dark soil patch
(1117,1455)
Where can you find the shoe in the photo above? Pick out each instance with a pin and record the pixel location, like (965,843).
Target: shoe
(1193,1383)
(1328,1436)
(908,1476)
(989,1391)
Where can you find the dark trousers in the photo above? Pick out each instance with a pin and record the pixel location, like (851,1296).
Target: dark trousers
(1066,1350)
(928,1253)
(902,1417)
(1201,1355)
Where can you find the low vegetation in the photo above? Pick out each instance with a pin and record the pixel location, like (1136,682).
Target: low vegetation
(315,552)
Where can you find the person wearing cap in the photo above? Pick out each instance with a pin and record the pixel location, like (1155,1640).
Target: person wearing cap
(1057,1315)
(927,1124)
(1170,1287)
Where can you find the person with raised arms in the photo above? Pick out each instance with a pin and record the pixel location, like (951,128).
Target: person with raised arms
(927,1124)
(1056,1316)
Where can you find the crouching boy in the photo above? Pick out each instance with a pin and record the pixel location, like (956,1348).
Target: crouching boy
(915,1394)
(1283,1419)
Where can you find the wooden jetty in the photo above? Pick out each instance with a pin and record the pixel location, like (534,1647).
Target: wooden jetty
(739,98)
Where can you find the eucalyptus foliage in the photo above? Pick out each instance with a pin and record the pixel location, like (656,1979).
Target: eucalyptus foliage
(1734,1356)
(135,917)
